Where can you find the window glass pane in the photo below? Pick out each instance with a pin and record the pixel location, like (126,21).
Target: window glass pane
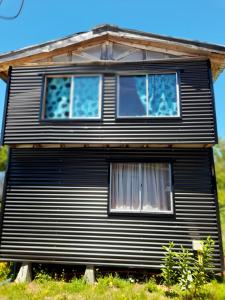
(141,187)
(156,187)
(57,98)
(86,97)
(132,96)
(125,186)
(162,95)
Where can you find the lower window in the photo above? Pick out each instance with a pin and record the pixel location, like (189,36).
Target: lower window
(141,187)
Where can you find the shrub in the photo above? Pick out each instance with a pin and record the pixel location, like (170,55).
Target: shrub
(202,270)
(185,262)
(5,270)
(192,273)
(169,274)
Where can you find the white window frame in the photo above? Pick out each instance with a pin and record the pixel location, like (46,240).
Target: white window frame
(166,212)
(71,117)
(147,96)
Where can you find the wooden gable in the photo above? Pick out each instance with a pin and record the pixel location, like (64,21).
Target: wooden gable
(110,51)
(110,43)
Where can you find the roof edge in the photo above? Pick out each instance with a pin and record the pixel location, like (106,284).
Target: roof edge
(107,28)
(115,28)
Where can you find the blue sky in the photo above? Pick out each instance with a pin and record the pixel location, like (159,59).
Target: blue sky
(43,20)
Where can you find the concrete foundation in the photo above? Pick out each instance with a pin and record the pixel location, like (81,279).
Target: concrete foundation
(89,274)
(25,274)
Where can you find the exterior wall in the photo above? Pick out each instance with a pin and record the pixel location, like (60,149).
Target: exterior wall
(56,208)
(196,126)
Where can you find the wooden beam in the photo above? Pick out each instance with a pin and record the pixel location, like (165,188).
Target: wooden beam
(157,46)
(167,44)
(99,62)
(137,43)
(4,76)
(151,47)
(75,47)
(216,68)
(115,145)
(69,54)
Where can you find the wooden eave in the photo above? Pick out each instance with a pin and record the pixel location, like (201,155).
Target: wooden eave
(107,33)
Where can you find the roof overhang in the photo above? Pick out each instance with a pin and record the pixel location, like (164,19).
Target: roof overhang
(143,40)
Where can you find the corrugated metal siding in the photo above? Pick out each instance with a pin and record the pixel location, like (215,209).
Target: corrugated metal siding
(56,208)
(23,125)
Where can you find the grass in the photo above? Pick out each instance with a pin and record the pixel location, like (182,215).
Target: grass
(107,288)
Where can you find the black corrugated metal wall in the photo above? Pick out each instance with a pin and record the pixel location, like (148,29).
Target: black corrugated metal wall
(196,126)
(56,208)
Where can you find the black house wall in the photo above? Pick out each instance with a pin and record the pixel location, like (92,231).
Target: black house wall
(56,208)
(196,125)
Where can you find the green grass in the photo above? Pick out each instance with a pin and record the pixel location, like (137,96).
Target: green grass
(107,288)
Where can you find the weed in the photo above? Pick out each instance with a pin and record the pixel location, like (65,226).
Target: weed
(151,285)
(169,274)
(77,285)
(42,276)
(113,282)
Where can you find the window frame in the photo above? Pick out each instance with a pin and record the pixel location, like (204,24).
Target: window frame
(170,213)
(146,74)
(70,118)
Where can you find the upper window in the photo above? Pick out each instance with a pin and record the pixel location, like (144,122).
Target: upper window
(141,187)
(151,95)
(74,97)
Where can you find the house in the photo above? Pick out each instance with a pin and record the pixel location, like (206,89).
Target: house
(110,134)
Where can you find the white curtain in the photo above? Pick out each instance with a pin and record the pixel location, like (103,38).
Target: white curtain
(156,188)
(140,187)
(125,183)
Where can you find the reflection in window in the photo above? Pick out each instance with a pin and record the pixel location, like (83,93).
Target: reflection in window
(57,98)
(86,97)
(162,95)
(148,96)
(76,97)
(132,96)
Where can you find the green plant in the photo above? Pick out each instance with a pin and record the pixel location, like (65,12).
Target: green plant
(78,285)
(203,266)
(169,273)
(3,158)
(185,261)
(219,156)
(5,270)
(78,289)
(113,281)
(42,276)
(191,273)
(151,285)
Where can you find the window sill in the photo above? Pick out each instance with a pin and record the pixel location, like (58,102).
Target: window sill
(142,214)
(53,121)
(152,119)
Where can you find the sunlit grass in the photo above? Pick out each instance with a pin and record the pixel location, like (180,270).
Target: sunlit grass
(107,288)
